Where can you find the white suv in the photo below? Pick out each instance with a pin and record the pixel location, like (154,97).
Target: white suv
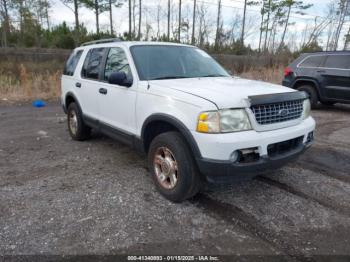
(177,104)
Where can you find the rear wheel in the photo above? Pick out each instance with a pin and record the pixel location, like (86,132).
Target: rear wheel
(312,93)
(173,168)
(78,130)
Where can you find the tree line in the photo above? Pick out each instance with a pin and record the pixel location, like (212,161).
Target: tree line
(27,23)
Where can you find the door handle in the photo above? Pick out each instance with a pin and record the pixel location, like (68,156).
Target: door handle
(77,84)
(321,71)
(103,91)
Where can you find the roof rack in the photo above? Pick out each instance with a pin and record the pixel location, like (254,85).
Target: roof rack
(101,41)
(336,51)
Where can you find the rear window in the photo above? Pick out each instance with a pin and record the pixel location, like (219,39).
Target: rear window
(93,63)
(338,61)
(313,61)
(72,63)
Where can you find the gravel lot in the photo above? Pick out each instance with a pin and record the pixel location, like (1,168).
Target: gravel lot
(96,197)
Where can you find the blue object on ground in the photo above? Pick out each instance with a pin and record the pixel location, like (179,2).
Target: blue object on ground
(39,103)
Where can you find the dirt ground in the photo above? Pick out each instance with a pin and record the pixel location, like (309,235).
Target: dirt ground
(60,197)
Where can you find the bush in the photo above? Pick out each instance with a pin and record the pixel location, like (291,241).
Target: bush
(65,42)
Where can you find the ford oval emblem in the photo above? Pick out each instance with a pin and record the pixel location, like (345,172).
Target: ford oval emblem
(283,112)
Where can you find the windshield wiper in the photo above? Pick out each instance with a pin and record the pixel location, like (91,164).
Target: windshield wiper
(168,77)
(213,75)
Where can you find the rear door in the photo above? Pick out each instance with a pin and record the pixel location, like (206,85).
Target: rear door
(90,81)
(335,75)
(308,66)
(69,77)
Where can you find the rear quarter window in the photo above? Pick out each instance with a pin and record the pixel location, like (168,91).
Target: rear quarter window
(313,61)
(72,63)
(93,63)
(338,61)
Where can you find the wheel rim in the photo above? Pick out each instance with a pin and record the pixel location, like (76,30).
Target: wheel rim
(73,122)
(165,168)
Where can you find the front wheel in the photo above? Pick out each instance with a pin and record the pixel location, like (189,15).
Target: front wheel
(173,168)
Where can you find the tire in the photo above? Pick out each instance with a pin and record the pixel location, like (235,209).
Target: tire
(312,93)
(327,103)
(78,130)
(169,154)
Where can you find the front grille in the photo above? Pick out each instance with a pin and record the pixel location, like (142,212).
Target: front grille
(277,112)
(284,147)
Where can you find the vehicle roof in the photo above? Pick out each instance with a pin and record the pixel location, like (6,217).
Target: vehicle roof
(328,53)
(305,55)
(129,44)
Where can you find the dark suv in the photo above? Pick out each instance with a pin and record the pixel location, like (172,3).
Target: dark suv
(325,76)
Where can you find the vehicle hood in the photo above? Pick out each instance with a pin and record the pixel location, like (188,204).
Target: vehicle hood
(224,92)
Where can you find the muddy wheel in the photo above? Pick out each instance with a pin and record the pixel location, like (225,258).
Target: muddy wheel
(78,130)
(173,168)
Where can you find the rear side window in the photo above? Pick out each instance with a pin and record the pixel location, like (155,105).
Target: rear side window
(338,61)
(93,63)
(313,61)
(72,63)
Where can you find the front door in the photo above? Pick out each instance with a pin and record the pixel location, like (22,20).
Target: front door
(117,105)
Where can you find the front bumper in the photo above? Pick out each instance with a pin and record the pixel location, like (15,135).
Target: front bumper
(224,171)
(215,163)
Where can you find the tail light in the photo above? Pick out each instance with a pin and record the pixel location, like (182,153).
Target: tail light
(288,71)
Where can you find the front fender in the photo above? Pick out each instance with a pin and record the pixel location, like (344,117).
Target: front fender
(185,132)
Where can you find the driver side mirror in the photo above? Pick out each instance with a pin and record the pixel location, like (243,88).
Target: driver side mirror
(120,79)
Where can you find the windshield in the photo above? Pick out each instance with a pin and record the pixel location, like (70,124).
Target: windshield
(155,62)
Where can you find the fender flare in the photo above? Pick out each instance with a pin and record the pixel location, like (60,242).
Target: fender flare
(317,85)
(65,101)
(185,132)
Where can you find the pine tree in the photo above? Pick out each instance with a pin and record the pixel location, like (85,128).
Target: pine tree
(168,33)
(179,27)
(4,11)
(287,6)
(74,6)
(140,19)
(193,22)
(218,26)
(246,3)
(343,12)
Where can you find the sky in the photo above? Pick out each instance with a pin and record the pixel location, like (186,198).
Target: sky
(231,8)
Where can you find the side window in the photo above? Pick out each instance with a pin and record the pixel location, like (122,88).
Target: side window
(72,63)
(116,62)
(313,61)
(338,61)
(93,63)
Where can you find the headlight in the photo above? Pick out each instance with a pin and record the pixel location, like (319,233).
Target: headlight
(223,121)
(306,108)
(209,122)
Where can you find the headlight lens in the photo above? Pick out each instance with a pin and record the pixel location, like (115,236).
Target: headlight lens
(306,108)
(234,120)
(209,122)
(224,121)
